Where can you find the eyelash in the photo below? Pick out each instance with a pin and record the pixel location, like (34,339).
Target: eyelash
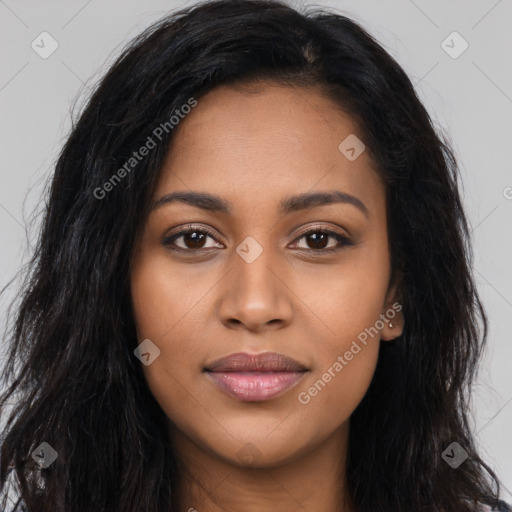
(342,240)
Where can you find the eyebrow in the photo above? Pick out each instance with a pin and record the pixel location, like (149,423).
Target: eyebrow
(215,203)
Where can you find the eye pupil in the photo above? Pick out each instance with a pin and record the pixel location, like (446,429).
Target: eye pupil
(196,238)
(319,240)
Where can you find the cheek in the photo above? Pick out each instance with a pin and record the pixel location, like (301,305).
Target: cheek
(340,380)
(345,363)
(163,296)
(168,309)
(344,301)
(345,333)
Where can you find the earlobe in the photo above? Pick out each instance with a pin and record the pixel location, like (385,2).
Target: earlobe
(393,328)
(391,332)
(392,316)
(393,320)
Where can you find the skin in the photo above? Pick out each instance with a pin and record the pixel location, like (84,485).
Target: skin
(253,147)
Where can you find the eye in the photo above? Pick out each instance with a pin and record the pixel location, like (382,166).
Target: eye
(192,238)
(324,240)
(317,239)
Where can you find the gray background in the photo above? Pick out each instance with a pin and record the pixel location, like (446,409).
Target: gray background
(469,98)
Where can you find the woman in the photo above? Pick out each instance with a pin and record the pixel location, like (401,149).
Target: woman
(252,289)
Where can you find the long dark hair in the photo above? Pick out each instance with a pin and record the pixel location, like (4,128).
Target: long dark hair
(71,367)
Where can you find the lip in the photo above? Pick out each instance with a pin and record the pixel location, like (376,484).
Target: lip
(255,378)
(264,362)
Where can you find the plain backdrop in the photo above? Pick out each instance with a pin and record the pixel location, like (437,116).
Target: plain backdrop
(469,96)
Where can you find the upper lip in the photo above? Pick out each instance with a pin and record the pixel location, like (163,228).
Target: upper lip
(265,362)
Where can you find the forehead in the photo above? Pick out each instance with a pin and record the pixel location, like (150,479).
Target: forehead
(262,143)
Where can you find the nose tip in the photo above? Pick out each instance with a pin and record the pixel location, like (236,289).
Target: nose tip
(253,297)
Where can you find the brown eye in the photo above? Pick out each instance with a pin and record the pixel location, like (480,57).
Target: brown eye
(323,240)
(194,239)
(190,239)
(317,240)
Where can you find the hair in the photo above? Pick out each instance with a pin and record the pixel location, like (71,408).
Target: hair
(71,365)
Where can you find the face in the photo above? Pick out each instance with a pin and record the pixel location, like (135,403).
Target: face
(285,251)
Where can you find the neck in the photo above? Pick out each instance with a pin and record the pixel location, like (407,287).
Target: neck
(314,481)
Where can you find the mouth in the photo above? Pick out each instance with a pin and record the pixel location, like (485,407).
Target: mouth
(255,378)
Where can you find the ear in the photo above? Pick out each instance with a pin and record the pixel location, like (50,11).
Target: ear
(392,315)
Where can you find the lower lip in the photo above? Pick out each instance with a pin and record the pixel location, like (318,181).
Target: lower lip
(255,386)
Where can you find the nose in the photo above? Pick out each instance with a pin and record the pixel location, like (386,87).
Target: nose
(255,296)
